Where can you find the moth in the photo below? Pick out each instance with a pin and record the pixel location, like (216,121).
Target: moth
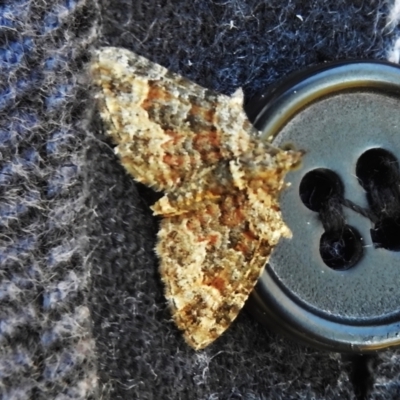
(221,184)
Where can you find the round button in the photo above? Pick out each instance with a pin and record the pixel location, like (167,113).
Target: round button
(336,283)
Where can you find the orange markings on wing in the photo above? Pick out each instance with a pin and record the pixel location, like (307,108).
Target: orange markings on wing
(208,144)
(205,114)
(249,235)
(156,93)
(246,248)
(217,282)
(176,138)
(174,160)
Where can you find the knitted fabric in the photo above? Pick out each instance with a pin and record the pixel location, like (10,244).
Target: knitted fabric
(46,347)
(82,312)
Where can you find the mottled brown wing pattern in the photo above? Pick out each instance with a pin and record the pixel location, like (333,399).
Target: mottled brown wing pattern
(185,126)
(221,217)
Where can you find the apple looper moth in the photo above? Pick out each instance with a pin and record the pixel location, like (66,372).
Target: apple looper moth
(221,183)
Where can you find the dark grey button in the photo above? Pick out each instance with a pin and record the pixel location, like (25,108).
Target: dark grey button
(336,283)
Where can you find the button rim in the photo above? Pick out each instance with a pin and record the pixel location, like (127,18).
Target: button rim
(270,112)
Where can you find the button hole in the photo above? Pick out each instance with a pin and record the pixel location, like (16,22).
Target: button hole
(386,234)
(377,169)
(341,250)
(341,246)
(378,173)
(318,186)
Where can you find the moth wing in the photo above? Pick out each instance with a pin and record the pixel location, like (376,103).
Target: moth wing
(221,211)
(210,259)
(166,127)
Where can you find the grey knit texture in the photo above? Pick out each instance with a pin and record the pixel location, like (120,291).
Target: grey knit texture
(47,351)
(82,312)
